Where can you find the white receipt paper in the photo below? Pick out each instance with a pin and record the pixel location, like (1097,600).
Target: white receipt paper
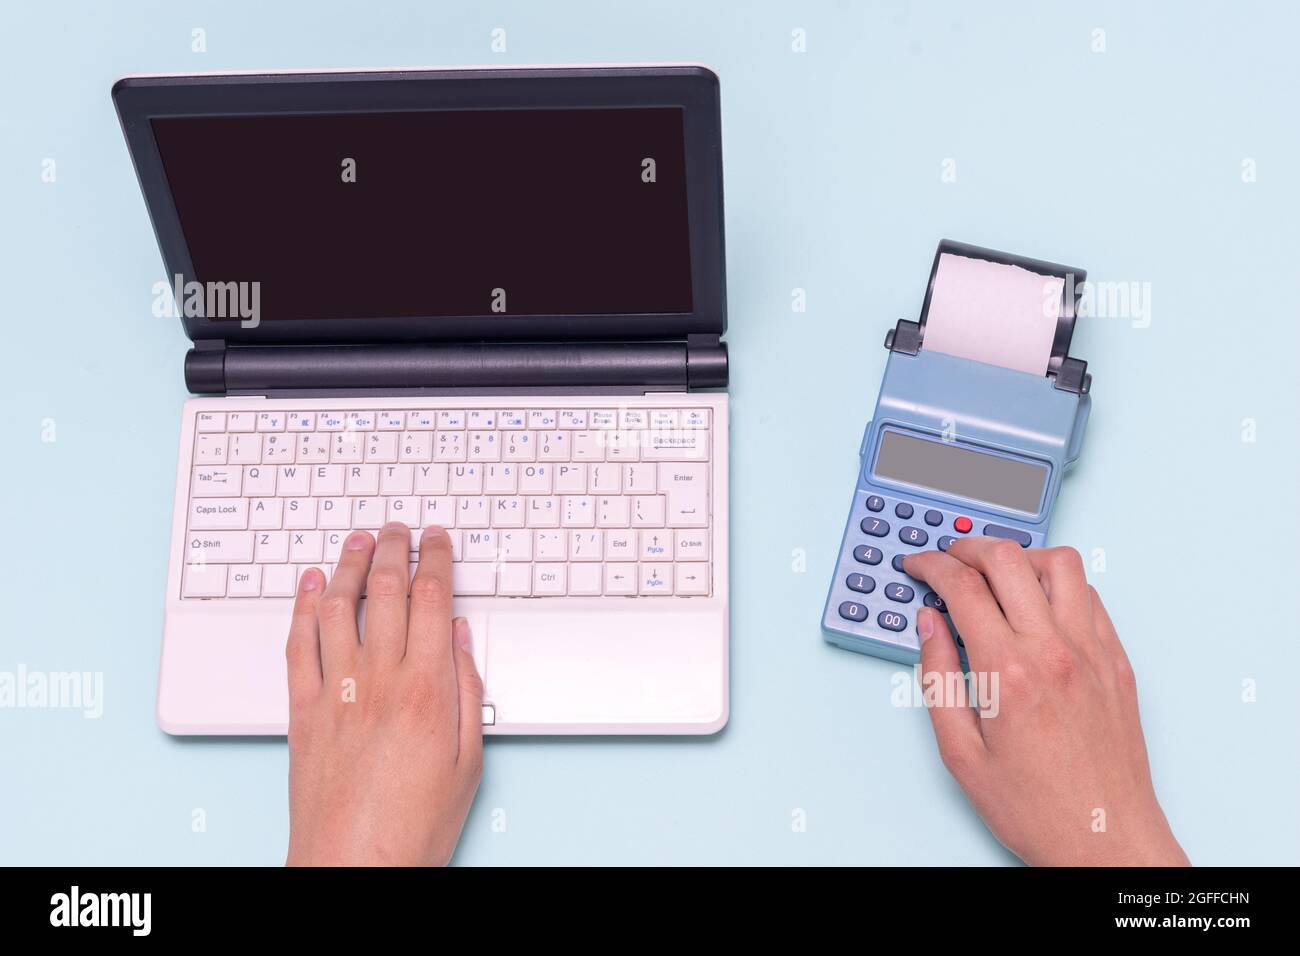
(993,313)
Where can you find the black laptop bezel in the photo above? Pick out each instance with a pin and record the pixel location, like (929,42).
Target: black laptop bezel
(140,99)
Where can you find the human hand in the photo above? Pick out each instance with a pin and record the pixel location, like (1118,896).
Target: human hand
(385,737)
(1058,770)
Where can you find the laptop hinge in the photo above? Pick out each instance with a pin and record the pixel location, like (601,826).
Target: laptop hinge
(214,367)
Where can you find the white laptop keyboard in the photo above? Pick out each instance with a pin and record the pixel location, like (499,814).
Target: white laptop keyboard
(600,501)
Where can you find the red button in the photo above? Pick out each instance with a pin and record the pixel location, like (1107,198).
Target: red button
(962,525)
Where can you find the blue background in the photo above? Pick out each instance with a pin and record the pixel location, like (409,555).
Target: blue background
(1127,162)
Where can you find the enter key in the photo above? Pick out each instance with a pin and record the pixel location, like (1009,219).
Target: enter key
(687,488)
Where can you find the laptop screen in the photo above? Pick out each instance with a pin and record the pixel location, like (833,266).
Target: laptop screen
(512,212)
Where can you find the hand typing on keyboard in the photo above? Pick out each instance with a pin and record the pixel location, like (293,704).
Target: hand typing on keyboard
(1058,768)
(385,736)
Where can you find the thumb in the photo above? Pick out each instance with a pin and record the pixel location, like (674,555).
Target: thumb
(470,688)
(956,726)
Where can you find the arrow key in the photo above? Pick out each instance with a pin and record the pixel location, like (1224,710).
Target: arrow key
(692,579)
(656,579)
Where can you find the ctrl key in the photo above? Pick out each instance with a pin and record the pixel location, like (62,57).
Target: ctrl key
(852,611)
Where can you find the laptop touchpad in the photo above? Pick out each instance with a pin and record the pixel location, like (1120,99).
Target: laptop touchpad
(546,672)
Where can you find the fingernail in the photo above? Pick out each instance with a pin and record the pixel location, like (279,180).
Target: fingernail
(432,531)
(924,624)
(312,580)
(395,526)
(357,541)
(460,631)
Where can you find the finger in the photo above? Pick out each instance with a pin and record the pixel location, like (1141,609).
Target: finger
(970,603)
(1060,572)
(1104,628)
(302,651)
(956,726)
(339,638)
(387,585)
(470,689)
(1011,578)
(429,641)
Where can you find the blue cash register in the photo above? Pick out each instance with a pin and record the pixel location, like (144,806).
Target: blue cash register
(956,447)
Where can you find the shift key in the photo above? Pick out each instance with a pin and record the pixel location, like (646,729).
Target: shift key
(687,488)
(219,547)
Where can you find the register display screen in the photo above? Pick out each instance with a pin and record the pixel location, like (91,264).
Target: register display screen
(438,213)
(961,471)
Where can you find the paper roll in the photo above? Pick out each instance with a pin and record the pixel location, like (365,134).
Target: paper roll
(994,313)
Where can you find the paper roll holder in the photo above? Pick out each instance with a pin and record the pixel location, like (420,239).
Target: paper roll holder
(1068,374)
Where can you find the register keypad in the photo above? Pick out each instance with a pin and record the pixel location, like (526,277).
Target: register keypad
(895,600)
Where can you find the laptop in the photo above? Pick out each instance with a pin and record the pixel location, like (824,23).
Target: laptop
(487,299)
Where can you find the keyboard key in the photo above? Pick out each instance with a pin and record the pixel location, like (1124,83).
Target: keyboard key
(247,450)
(265,513)
(218,514)
(553,546)
(945,542)
(216,482)
(899,592)
(620,579)
(210,422)
(204,581)
(695,418)
(648,512)
(875,503)
(272,547)
(656,579)
(853,612)
(292,480)
(541,420)
(245,580)
(874,527)
(585,579)
(515,580)
(472,511)
(690,546)
(573,418)
(865,554)
(903,510)
(933,600)
(862,583)
(306,547)
(962,524)
(934,518)
(913,536)
(1011,534)
(259,481)
(473,578)
(241,422)
(891,620)
(586,545)
(279,580)
(691,579)
(219,547)
(550,579)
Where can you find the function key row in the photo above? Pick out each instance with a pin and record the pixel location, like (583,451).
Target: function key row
(577,419)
